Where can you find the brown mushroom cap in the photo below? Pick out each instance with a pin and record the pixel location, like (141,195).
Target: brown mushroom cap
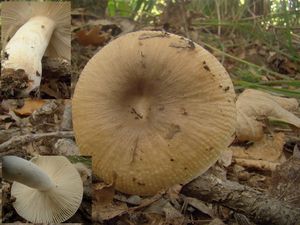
(153,109)
(15,14)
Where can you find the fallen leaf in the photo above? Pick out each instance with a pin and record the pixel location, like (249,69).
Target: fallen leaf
(105,212)
(157,207)
(127,25)
(46,89)
(296,152)
(84,172)
(282,64)
(265,154)
(65,146)
(148,201)
(103,193)
(30,105)
(241,219)
(163,207)
(200,205)
(253,107)
(262,165)
(268,148)
(134,200)
(5,117)
(92,37)
(216,221)
(7,125)
(171,213)
(104,208)
(225,158)
(150,219)
(285,182)
(173,192)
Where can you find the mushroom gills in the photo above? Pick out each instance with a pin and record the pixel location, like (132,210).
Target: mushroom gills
(47,189)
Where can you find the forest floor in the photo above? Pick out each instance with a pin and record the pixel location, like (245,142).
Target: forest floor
(269,166)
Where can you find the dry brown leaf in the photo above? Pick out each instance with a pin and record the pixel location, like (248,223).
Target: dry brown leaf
(257,164)
(148,201)
(172,214)
(104,208)
(296,152)
(157,207)
(45,88)
(200,205)
(216,221)
(134,200)
(105,212)
(30,105)
(85,173)
(152,219)
(265,154)
(282,64)
(254,106)
(91,37)
(173,192)
(268,148)
(285,182)
(226,157)
(103,193)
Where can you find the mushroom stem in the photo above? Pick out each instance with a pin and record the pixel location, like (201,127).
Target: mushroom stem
(26,48)
(26,172)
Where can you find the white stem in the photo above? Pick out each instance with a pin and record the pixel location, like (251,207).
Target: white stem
(26,48)
(25,172)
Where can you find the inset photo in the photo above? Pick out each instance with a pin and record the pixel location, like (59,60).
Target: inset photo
(46,189)
(36,50)
(36,126)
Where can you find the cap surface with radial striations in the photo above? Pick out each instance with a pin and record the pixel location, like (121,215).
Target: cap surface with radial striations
(153,109)
(57,204)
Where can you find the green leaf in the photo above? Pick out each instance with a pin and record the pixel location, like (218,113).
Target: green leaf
(111,7)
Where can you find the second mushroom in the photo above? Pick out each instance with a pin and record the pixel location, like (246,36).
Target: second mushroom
(47,189)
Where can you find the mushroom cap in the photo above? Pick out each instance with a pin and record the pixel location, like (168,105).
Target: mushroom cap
(153,109)
(14,14)
(59,203)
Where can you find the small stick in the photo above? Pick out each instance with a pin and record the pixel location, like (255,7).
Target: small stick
(24,139)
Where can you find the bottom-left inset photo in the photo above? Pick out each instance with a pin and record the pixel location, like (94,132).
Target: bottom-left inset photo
(46,189)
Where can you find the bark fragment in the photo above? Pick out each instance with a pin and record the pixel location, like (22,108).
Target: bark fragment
(258,206)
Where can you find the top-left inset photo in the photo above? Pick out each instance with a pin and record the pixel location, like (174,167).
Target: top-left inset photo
(35,50)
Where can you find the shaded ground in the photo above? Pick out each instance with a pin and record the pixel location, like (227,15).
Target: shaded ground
(41,127)
(270,166)
(251,63)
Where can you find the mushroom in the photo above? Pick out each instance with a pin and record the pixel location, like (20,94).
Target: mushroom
(153,109)
(48,189)
(29,29)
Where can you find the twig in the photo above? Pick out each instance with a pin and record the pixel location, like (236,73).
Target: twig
(258,206)
(24,139)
